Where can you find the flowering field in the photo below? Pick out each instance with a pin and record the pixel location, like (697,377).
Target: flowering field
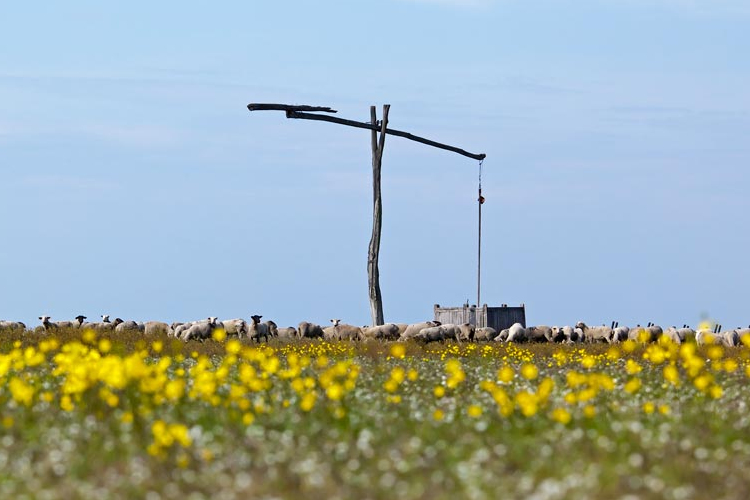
(127,417)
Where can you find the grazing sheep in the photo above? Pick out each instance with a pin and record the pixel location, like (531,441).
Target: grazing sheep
(466,331)
(620,333)
(485,334)
(306,330)
(389,331)
(200,331)
(540,333)
(179,328)
(339,331)
(236,327)
(516,333)
(430,334)
(502,336)
(47,325)
(129,326)
(415,328)
(172,332)
(102,326)
(595,333)
(12,325)
(257,329)
(156,328)
(686,334)
(730,338)
(451,332)
(401,328)
(672,335)
(287,333)
(76,323)
(273,329)
(571,335)
(705,336)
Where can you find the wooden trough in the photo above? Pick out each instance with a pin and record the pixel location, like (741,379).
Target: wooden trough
(498,318)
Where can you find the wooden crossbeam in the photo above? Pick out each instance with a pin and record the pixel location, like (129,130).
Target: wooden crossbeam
(307,113)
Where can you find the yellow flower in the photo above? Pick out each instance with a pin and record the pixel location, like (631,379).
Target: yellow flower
(398,351)
(665,409)
(248,418)
(633,385)
(398,374)
(589,411)
(105,345)
(527,403)
(561,415)
(412,375)
(671,374)
(438,415)
(701,382)
(715,391)
(439,391)
(588,362)
(474,411)
(308,401)
(632,367)
(334,392)
(22,392)
(233,347)
(730,365)
(648,407)
(390,385)
(529,371)
(219,335)
(179,433)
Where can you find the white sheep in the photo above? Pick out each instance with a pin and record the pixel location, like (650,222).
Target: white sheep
(466,331)
(256,329)
(76,323)
(129,326)
(620,333)
(236,327)
(431,334)
(307,330)
(389,331)
(273,328)
(12,325)
(730,338)
(485,334)
(414,328)
(286,333)
(541,333)
(341,331)
(156,328)
(200,331)
(516,333)
(595,333)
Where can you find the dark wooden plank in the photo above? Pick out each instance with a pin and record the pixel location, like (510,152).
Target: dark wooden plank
(255,106)
(369,126)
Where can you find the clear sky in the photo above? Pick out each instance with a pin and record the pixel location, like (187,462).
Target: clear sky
(134,182)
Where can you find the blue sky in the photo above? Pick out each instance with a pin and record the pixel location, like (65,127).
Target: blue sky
(135,183)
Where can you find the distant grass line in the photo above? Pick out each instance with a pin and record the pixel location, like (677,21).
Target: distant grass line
(129,341)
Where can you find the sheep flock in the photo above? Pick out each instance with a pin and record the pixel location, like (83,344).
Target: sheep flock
(425,332)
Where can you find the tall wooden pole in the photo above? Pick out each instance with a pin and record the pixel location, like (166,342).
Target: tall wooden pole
(373,254)
(480,201)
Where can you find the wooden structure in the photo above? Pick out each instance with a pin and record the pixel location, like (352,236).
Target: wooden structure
(498,318)
(379,129)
